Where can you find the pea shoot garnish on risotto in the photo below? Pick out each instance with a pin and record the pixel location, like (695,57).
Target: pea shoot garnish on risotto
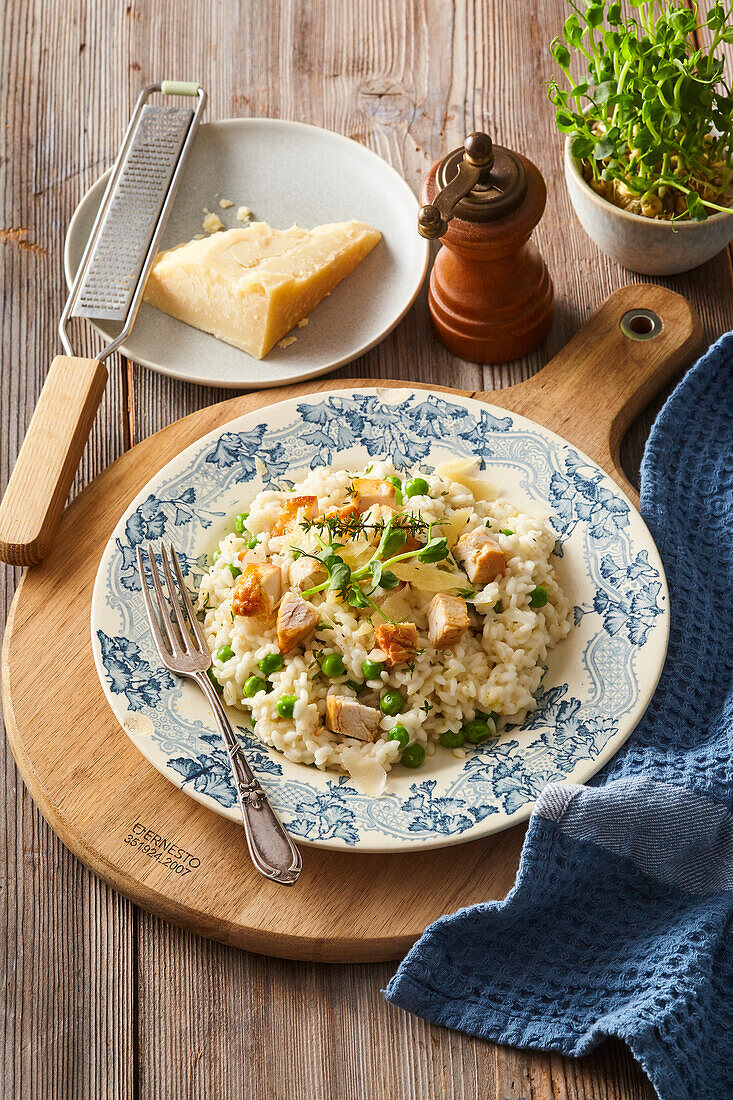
(370,619)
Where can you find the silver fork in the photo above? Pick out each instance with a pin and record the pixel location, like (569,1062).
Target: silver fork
(183,650)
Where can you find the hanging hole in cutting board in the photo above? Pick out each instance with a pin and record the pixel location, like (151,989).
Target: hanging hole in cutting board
(641,324)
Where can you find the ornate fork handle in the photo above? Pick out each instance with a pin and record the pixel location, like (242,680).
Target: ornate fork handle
(271,848)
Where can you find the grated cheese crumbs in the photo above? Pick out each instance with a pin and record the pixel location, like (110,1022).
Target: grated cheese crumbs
(287,341)
(244,214)
(302,322)
(212,223)
(225,203)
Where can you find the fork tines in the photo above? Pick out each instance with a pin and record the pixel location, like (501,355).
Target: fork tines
(176,641)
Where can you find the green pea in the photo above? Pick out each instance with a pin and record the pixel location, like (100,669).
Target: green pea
(477,731)
(413,756)
(212,676)
(452,739)
(372,669)
(252,685)
(538,596)
(398,494)
(392,703)
(234,570)
(239,522)
(416,487)
(333,665)
(252,542)
(399,733)
(271,662)
(225,653)
(492,716)
(285,706)
(216,555)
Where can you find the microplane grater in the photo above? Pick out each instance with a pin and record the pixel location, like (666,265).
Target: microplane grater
(124,239)
(108,285)
(120,250)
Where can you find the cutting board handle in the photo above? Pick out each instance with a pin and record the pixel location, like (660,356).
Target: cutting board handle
(596,386)
(44,470)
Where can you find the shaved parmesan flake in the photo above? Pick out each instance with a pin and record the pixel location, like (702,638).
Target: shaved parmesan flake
(368,774)
(455,526)
(356,553)
(463,470)
(428,578)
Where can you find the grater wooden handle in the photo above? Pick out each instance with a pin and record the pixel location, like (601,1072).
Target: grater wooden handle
(39,484)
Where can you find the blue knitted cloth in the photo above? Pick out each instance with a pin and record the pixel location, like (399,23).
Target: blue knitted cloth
(620,919)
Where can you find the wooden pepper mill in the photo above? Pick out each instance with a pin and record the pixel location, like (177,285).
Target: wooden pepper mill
(491,297)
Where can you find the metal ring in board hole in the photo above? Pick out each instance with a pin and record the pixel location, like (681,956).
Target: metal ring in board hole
(641,324)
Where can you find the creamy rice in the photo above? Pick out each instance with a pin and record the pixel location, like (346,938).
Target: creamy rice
(497,665)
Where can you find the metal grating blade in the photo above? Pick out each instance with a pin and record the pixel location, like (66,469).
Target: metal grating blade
(125,237)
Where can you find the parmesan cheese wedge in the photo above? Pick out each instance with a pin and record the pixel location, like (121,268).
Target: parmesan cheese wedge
(249,287)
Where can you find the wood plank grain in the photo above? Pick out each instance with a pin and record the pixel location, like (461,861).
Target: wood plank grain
(269,1029)
(66,966)
(409,80)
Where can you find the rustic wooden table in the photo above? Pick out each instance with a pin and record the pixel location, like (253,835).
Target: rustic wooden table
(100,999)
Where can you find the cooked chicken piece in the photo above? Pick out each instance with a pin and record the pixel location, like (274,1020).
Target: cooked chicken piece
(447,620)
(295,510)
(341,514)
(257,590)
(482,558)
(296,619)
(305,572)
(372,490)
(348,718)
(397,641)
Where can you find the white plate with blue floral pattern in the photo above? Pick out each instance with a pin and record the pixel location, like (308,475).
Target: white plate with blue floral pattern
(598,681)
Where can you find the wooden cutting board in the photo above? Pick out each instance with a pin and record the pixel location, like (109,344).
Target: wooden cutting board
(99,794)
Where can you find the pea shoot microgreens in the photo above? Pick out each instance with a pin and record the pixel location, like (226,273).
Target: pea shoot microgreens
(377,572)
(651,120)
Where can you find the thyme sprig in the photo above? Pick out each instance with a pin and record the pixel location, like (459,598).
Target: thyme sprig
(352,526)
(651,121)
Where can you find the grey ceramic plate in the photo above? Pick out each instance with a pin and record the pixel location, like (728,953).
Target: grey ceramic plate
(285,172)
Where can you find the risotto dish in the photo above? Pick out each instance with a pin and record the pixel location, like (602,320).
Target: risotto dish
(366,620)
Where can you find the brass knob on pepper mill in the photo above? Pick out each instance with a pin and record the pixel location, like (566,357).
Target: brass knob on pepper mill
(491,297)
